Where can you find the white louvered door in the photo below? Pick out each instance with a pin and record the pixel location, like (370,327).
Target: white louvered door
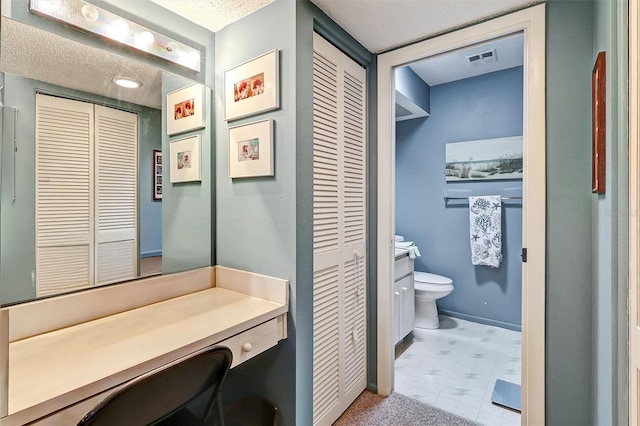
(116,177)
(339,309)
(64,182)
(86,162)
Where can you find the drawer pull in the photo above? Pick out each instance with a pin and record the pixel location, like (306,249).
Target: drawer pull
(247,347)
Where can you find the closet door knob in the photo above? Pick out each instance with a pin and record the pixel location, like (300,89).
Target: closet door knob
(247,347)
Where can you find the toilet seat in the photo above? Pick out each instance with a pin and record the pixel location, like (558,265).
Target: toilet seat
(429,278)
(425,281)
(433,288)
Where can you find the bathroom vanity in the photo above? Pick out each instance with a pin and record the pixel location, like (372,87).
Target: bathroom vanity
(61,356)
(404,295)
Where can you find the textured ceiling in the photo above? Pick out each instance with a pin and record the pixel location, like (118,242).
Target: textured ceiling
(43,56)
(381,25)
(213,14)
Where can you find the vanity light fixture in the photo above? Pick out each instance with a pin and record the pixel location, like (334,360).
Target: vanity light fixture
(91,18)
(127,82)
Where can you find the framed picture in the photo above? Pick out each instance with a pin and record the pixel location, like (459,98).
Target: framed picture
(251,149)
(185,109)
(487,159)
(157,175)
(252,87)
(598,123)
(185,159)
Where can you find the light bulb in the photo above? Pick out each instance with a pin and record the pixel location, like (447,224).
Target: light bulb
(90,12)
(119,30)
(145,39)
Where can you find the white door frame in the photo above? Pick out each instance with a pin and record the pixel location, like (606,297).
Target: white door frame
(531,21)
(634,214)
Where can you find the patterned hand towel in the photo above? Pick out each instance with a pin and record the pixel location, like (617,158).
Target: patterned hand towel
(485,220)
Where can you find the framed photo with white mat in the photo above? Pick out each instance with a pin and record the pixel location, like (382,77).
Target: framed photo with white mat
(185,159)
(251,150)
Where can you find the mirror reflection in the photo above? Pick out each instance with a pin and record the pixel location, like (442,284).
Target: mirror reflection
(78,166)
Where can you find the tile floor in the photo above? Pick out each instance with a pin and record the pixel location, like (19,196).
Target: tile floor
(455,368)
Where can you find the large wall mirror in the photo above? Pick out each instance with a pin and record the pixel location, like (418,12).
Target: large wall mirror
(80,183)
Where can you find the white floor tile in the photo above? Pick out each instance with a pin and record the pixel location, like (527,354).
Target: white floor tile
(446,404)
(455,368)
(511,416)
(472,401)
(488,419)
(467,412)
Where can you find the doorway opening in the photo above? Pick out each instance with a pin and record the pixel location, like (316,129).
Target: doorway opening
(530,23)
(465,355)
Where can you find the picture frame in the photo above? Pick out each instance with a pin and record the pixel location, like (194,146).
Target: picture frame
(598,124)
(185,159)
(485,159)
(251,150)
(156,173)
(185,109)
(253,86)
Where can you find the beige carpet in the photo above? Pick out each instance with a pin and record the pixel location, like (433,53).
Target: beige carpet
(396,410)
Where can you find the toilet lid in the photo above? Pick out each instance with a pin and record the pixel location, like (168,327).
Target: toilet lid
(428,278)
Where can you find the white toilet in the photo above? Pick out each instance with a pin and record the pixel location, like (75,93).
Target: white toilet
(429,288)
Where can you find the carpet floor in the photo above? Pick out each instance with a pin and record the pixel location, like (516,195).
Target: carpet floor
(398,410)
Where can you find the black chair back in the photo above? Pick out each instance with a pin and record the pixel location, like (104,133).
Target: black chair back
(158,396)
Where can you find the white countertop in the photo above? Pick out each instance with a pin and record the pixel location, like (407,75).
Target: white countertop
(42,367)
(52,369)
(401,252)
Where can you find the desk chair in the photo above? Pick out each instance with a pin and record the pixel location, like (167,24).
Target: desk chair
(160,397)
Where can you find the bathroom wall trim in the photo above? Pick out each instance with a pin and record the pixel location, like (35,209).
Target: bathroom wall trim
(151,253)
(531,21)
(480,320)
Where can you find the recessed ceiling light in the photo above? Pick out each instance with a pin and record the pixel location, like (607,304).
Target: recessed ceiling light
(127,82)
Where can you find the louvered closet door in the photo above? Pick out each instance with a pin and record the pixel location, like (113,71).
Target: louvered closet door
(339,369)
(116,176)
(64,181)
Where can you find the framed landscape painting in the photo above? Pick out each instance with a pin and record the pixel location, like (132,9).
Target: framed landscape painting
(487,159)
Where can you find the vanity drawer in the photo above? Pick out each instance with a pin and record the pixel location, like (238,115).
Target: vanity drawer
(252,342)
(403,267)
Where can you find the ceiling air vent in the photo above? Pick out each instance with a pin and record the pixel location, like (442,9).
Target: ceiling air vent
(486,56)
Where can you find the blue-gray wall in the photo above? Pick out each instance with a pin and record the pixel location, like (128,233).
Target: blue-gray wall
(17,237)
(569,298)
(256,217)
(149,211)
(610,224)
(187,215)
(413,87)
(484,107)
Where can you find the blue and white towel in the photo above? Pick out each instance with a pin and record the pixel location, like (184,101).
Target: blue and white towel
(485,220)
